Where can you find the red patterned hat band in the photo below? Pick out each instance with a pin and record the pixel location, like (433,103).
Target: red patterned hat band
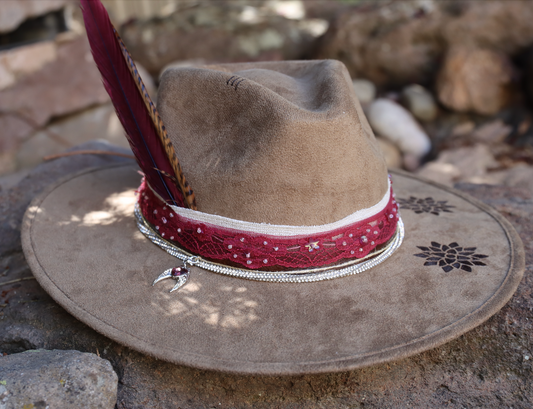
(262,246)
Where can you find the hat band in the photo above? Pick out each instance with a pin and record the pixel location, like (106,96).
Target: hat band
(351,267)
(257,250)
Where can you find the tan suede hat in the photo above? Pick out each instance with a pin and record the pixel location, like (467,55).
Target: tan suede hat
(297,259)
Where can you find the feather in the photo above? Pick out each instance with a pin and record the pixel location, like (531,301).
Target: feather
(160,128)
(129,104)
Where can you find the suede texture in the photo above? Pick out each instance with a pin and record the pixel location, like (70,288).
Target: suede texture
(83,246)
(275,142)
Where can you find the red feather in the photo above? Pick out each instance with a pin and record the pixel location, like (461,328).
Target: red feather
(128,102)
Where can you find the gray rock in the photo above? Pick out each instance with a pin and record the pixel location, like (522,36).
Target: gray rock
(365,90)
(21,337)
(420,102)
(99,123)
(57,379)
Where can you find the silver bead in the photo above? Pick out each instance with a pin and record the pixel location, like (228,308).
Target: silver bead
(230,246)
(265,261)
(198,230)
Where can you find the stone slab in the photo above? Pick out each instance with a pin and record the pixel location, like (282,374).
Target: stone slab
(488,367)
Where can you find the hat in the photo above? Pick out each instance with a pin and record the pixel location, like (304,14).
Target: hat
(279,225)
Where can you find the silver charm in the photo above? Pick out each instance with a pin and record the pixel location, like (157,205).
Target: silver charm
(180,274)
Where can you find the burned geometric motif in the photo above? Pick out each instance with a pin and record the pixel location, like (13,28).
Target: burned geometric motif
(451,256)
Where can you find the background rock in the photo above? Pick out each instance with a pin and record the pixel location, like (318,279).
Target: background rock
(467,164)
(12,13)
(92,124)
(365,91)
(21,61)
(393,122)
(420,102)
(486,367)
(68,84)
(220,32)
(57,379)
(391,44)
(477,80)
(397,43)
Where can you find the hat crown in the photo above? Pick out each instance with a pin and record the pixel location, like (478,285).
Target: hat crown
(278,142)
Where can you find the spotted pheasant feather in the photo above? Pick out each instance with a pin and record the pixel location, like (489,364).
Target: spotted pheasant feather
(184,186)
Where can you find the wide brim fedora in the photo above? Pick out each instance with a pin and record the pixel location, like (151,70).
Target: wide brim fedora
(459,263)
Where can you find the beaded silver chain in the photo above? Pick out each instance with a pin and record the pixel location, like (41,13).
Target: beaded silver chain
(309,275)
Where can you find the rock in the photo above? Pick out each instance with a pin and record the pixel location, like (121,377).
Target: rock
(57,379)
(12,13)
(420,102)
(365,91)
(463,129)
(391,153)
(95,123)
(466,164)
(68,84)
(403,42)
(520,176)
(220,32)
(477,80)
(393,122)
(20,337)
(492,132)
(482,368)
(391,45)
(12,179)
(503,27)
(20,61)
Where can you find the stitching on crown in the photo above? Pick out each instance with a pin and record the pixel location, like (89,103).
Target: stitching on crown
(234,81)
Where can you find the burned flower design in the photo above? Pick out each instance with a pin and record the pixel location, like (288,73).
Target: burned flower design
(451,256)
(427,205)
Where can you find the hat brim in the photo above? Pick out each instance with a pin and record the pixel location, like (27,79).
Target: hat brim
(82,244)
